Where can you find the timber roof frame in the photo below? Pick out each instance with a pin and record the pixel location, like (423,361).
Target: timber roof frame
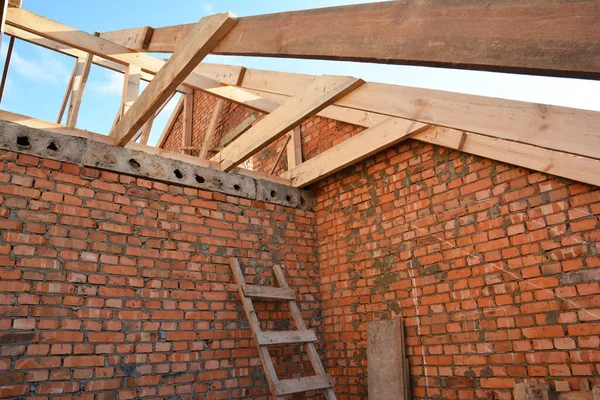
(556,140)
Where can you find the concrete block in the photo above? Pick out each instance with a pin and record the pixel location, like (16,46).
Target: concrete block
(276,193)
(139,163)
(41,143)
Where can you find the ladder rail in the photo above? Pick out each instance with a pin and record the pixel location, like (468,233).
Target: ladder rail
(263,352)
(321,380)
(313,355)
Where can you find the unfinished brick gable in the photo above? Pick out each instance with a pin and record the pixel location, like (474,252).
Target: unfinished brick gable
(116,286)
(318,134)
(495,269)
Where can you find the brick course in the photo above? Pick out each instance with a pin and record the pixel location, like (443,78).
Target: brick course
(494,267)
(112,285)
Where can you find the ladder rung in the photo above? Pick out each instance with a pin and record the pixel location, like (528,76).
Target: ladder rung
(297,385)
(287,337)
(269,292)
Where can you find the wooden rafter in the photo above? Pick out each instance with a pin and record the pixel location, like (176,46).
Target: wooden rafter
(205,35)
(294,148)
(212,127)
(188,110)
(82,71)
(205,77)
(11,44)
(353,150)
(507,36)
(322,92)
(73,52)
(280,153)
(68,91)
(170,123)
(132,38)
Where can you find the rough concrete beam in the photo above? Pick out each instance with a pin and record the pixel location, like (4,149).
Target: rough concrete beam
(26,140)
(134,162)
(92,153)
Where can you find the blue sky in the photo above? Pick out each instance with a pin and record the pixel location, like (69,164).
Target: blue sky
(38,77)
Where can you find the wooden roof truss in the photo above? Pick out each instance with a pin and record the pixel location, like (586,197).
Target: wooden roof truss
(556,140)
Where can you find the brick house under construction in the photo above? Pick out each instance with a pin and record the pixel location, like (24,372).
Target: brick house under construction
(436,245)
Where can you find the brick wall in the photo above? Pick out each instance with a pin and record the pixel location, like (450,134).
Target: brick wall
(116,286)
(495,269)
(318,134)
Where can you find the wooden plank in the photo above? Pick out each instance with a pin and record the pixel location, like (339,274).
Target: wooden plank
(273,338)
(268,292)
(73,39)
(385,360)
(82,71)
(353,150)
(294,149)
(133,38)
(558,128)
(3,9)
(170,123)
(304,384)
(69,51)
(131,86)
(212,127)
(11,44)
(205,35)
(280,153)
(323,91)
(236,131)
(144,133)
(68,91)
(530,36)
(188,109)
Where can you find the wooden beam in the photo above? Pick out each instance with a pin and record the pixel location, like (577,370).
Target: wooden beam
(144,133)
(558,128)
(3,9)
(170,123)
(131,86)
(237,130)
(188,110)
(212,127)
(68,92)
(101,62)
(530,36)
(280,153)
(353,150)
(205,35)
(294,148)
(6,66)
(133,38)
(82,71)
(71,38)
(322,92)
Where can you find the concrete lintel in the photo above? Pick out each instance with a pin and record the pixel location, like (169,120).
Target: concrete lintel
(39,143)
(139,163)
(90,153)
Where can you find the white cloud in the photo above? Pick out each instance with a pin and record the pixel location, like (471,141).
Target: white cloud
(47,67)
(112,84)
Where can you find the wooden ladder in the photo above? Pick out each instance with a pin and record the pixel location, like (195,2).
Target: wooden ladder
(279,388)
